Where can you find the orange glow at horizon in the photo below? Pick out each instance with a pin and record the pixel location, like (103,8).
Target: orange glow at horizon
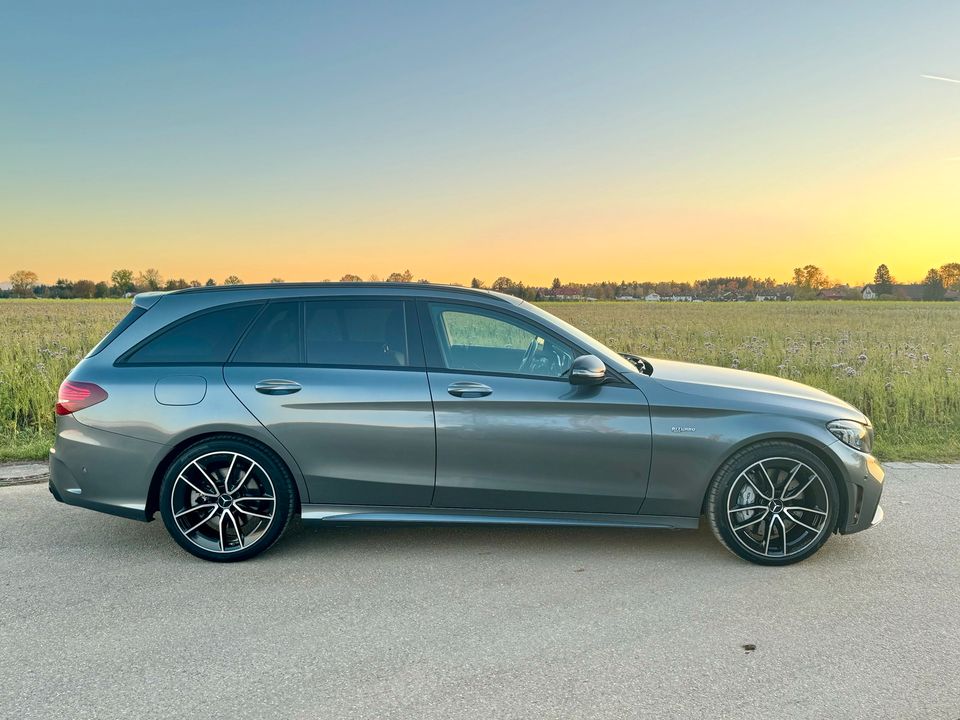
(908,218)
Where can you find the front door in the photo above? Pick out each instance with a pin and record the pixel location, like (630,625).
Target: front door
(513,433)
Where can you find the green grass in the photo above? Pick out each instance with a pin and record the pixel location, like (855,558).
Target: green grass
(26,445)
(40,341)
(899,362)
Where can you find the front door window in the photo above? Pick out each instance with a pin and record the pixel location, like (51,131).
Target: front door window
(479,340)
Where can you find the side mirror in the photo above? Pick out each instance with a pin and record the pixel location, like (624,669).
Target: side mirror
(587,370)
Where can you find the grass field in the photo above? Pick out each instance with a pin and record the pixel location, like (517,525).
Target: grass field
(898,362)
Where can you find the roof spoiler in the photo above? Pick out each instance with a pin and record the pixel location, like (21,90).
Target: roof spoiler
(147,300)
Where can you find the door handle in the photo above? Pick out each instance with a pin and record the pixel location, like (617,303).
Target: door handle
(468,389)
(277,387)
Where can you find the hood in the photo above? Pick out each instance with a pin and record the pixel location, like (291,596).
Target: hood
(725,384)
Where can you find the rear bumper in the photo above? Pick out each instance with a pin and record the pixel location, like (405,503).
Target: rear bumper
(101,470)
(861,488)
(80,501)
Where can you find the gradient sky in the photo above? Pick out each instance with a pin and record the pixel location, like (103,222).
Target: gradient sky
(618,140)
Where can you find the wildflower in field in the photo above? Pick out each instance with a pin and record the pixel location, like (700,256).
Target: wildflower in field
(862,357)
(851,371)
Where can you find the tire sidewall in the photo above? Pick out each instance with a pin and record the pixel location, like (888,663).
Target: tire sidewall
(730,472)
(279,476)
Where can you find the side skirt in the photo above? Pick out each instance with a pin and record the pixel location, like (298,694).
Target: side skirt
(375,514)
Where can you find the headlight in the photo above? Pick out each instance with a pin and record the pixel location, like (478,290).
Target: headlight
(856,435)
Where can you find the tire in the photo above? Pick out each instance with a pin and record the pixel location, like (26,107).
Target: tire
(773,503)
(226,499)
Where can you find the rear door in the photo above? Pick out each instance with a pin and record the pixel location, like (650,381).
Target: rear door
(341,384)
(513,433)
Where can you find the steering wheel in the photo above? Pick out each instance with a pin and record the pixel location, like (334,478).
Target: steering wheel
(528,356)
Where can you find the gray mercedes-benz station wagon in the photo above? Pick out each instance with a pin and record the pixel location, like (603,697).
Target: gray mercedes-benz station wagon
(230,409)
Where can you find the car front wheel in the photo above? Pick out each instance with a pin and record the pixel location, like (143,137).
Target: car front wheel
(226,499)
(774,503)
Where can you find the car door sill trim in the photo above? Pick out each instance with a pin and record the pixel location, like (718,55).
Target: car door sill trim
(380,514)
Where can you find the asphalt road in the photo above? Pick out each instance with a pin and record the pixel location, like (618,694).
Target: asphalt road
(104,617)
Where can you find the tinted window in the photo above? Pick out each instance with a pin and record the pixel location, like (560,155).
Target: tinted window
(485,341)
(274,337)
(128,320)
(369,333)
(205,338)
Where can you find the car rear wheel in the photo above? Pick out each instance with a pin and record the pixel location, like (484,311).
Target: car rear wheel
(226,499)
(774,503)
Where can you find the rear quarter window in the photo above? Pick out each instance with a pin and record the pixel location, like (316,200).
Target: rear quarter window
(127,321)
(204,339)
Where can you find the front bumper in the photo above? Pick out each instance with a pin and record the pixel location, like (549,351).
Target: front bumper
(861,487)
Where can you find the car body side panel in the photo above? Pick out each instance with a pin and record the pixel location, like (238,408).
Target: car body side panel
(538,444)
(132,407)
(362,436)
(693,435)
(132,411)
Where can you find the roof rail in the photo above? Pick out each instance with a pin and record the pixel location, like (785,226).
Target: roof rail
(381,285)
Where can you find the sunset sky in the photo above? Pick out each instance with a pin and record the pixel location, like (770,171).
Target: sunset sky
(593,140)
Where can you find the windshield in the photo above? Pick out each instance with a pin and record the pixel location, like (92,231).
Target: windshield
(612,357)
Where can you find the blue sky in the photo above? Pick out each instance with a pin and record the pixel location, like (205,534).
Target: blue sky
(176,134)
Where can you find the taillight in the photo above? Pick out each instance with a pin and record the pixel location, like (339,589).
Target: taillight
(74,396)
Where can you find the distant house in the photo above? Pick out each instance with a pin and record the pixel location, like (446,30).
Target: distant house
(766,298)
(834,293)
(952,295)
(562,297)
(681,298)
(624,297)
(563,293)
(909,291)
(652,297)
(733,296)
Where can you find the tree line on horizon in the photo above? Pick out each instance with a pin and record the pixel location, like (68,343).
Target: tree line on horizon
(807,283)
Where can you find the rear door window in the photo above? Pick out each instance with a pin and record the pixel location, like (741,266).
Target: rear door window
(274,337)
(204,339)
(357,333)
